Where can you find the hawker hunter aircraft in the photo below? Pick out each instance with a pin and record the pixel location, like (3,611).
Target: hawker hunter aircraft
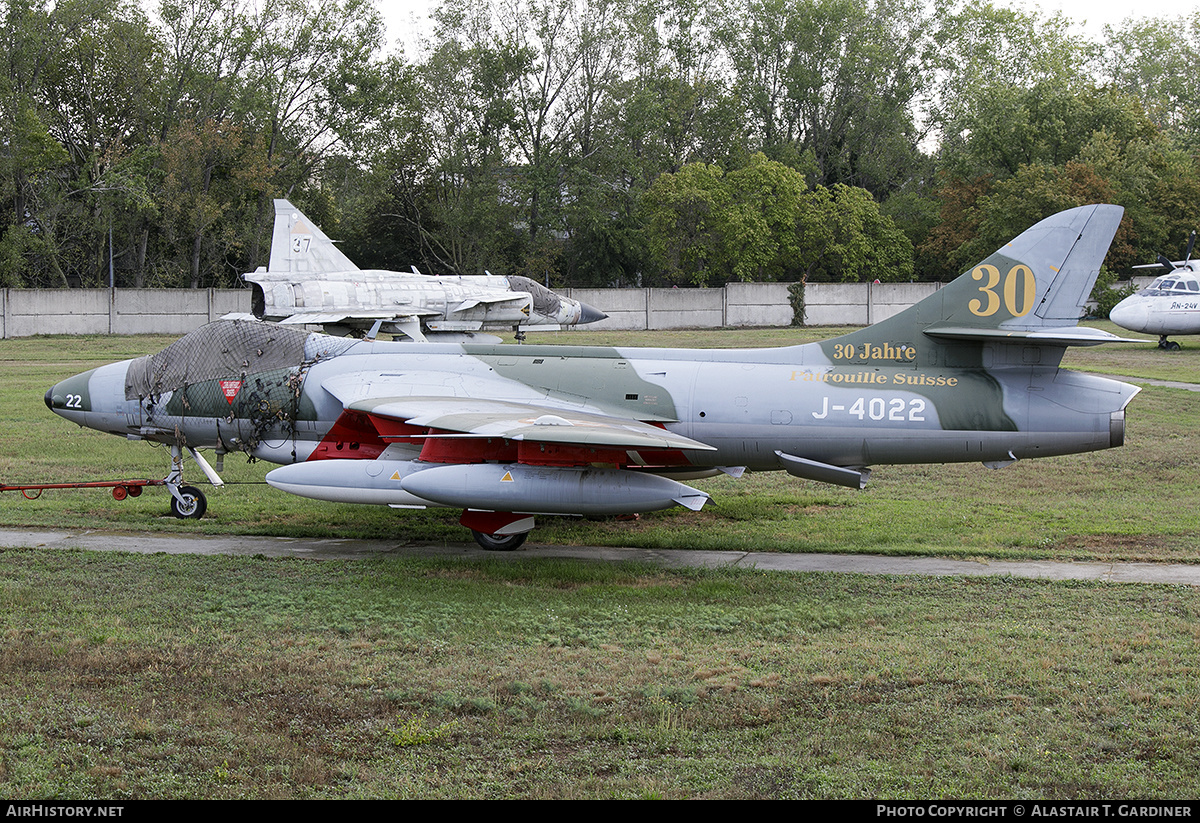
(310,282)
(506,433)
(1169,305)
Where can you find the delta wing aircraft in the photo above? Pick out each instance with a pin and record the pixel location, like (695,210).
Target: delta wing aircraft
(506,432)
(310,282)
(1169,305)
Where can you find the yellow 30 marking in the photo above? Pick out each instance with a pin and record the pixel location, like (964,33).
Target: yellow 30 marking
(1018,279)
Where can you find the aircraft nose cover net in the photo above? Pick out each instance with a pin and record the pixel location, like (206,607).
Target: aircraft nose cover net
(545,301)
(221,350)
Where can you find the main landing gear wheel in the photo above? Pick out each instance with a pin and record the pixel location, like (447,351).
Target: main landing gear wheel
(192,505)
(500,542)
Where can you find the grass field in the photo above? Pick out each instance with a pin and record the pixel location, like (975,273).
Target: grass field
(128,676)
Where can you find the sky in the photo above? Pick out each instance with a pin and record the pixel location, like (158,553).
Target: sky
(1096,13)
(1108,12)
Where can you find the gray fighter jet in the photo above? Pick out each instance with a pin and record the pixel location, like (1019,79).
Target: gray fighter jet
(310,282)
(507,433)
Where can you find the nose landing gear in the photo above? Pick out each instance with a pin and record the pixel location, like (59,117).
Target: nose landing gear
(188,501)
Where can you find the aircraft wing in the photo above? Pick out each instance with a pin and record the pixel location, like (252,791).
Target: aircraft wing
(434,400)
(472,302)
(478,417)
(321,318)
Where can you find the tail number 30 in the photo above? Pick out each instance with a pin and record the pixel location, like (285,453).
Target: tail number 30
(1020,290)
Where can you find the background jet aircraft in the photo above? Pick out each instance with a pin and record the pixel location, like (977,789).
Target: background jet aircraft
(310,282)
(507,433)
(1169,305)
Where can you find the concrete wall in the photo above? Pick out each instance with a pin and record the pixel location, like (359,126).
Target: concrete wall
(738,304)
(758,304)
(174,311)
(26,312)
(860,304)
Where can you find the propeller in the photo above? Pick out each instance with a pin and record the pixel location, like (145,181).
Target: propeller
(1171,265)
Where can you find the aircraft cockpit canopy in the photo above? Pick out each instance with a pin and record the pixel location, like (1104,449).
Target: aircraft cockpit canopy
(1180,281)
(227,349)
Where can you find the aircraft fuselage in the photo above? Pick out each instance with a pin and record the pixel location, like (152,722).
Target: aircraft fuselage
(746,404)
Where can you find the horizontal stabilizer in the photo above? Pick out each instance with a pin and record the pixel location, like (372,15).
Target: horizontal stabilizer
(1066,336)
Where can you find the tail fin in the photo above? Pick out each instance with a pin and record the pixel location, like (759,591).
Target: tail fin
(1032,290)
(299,247)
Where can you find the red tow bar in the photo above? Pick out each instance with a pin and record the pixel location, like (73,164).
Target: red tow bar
(120,488)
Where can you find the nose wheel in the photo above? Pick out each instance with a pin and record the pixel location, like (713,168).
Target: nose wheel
(188,502)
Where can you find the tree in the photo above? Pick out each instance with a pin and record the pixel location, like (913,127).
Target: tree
(666,105)
(376,194)
(309,64)
(762,223)
(844,237)
(544,32)
(981,47)
(685,215)
(1156,61)
(212,171)
(1031,152)
(76,98)
(1046,123)
(840,80)
(29,156)
(456,186)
